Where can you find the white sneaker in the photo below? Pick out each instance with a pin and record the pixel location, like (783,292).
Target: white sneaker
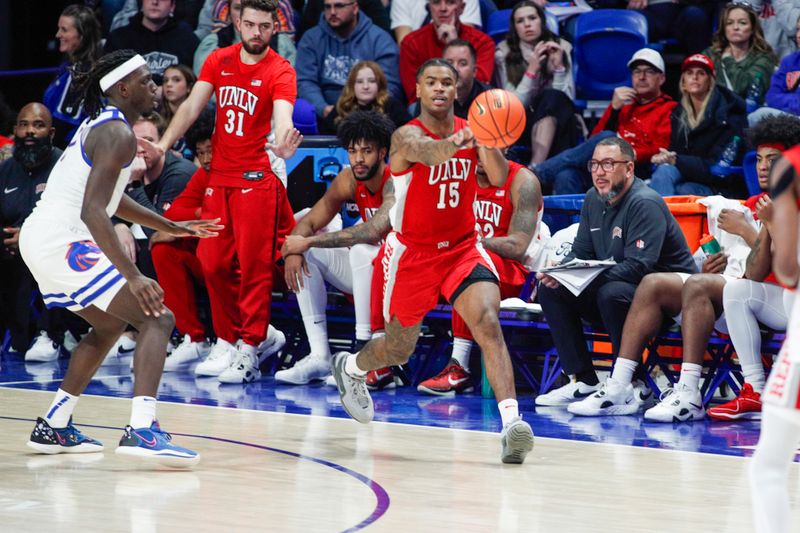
(643,395)
(124,346)
(516,441)
(243,369)
(613,398)
(310,368)
(330,381)
(220,358)
(185,354)
(42,350)
(571,392)
(678,404)
(272,344)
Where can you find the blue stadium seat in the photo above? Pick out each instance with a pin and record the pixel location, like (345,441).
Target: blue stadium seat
(750,173)
(305,117)
(605,39)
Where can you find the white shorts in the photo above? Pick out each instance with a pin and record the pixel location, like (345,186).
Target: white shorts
(720,325)
(70,269)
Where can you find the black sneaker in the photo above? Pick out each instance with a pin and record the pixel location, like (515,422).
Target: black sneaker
(46,439)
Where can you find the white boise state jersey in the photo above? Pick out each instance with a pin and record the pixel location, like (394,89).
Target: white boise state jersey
(62,200)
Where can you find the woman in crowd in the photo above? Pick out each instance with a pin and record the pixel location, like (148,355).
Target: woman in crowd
(703,125)
(534,64)
(783,95)
(366,89)
(740,52)
(79,40)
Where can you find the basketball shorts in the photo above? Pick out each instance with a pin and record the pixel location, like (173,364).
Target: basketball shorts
(783,385)
(70,269)
(414,278)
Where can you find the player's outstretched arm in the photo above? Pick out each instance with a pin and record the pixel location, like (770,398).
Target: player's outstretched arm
(411,145)
(526,196)
(187,113)
(783,191)
(133,212)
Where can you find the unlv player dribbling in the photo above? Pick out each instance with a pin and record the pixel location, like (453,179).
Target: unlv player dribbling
(434,250)
(253,84)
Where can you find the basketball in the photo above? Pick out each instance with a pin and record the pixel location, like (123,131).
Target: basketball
(496,118)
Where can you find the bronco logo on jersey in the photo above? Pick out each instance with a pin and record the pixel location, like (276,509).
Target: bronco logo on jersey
(82,255)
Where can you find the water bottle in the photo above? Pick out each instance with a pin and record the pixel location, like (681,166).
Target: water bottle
(723,166)
(710,245)
(753,99)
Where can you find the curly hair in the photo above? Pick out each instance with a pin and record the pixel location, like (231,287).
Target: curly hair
(784,129)
(201,130)
(347,100)
(515,63)
(88,83)
(757,41)
(366,126)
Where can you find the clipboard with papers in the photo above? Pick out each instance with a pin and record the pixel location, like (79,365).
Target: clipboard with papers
(577,274)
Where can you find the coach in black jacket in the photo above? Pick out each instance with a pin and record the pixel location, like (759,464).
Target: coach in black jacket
(624,220)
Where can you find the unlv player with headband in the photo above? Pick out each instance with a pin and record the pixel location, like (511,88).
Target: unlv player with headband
(253,85)
(434,250)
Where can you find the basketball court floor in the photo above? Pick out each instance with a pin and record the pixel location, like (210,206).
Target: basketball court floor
(279,458)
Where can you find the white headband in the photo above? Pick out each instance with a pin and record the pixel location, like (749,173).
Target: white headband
(108,81)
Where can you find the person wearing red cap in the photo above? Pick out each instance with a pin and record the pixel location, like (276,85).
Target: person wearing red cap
(703,124)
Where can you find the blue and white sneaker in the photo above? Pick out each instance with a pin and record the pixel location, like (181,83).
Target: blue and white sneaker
(50,440)
(153,443)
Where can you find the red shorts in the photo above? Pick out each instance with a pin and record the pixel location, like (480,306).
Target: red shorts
(414,278)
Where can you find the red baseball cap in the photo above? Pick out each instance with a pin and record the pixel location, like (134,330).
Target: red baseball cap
(699,60)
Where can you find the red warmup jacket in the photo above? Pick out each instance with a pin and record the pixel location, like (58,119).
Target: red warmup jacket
(646,126)
(422,45)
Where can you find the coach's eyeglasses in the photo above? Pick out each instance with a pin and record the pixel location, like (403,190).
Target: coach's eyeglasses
(338,6)
(606,164)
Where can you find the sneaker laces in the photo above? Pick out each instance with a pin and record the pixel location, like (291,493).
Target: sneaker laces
(241,361)
(217,352)
(667,394)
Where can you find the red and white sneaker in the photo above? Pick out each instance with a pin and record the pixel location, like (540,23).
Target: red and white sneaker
(746,406)
(453,379)
(382,378)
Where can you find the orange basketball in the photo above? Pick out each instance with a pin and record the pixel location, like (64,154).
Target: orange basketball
(497,118)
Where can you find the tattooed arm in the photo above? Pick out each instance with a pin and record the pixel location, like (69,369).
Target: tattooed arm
(526,196)
(411,145)
(759,260)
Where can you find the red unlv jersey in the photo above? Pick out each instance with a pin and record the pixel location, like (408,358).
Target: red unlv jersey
(493,207)
(434,204)
(367,202)
(245,94)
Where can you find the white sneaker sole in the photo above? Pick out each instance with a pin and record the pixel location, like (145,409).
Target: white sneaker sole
(518,443)
(614,410)
(53,449)
(164,458)
(667,418)
(356,412)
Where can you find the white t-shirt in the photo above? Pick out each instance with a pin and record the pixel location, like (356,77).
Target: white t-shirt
(412,13)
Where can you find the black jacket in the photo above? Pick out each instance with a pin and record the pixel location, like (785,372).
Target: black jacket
(700,148)
(174,43)
(21,188)
(638,232)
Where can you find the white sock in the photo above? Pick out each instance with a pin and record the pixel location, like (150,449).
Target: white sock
(143,411)
(351,367)
(312,300)
(509,410)
(690,375)
(754,375)
(360,258)
(623,370)
(61,409)
(461,351)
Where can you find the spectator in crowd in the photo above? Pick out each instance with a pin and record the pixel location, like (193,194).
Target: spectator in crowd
(374,9)
(185,11)
(282,42)
(696,303)
(327,53)
(626,221)
(688,22)
(638,114)
(740,53)
(366,89)
(23,178)
(429,41)
(157,36)
(757,298)
(535,65)
(778,20)
(8,120)
(178,82)
(411,15)
(782,96)
(708,117)
(79,40)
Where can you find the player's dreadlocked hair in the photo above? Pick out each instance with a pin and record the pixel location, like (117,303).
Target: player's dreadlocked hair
(88,83)
(783,129)
(366,126)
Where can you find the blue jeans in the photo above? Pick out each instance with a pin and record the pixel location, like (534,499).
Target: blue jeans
(566,172)
(667,181)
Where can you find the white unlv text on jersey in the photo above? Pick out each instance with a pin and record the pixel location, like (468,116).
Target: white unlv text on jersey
(488,211)
(237,97)
(452,169)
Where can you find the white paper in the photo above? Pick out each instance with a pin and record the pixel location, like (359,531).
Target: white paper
(577,274)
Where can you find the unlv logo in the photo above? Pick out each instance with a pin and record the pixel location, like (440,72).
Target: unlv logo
(82,255)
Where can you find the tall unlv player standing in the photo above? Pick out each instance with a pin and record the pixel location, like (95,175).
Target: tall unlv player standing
(253,85)
(434,250)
